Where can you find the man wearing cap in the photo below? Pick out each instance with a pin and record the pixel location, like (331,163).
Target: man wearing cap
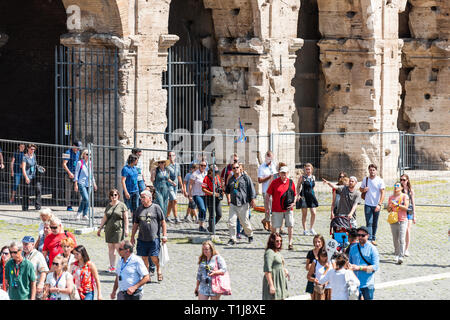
(70,159)
(20,275)
(364,260)
(350,197)
(277,190)
(39,263)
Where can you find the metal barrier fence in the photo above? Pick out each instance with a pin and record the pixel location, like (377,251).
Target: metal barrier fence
(425,158)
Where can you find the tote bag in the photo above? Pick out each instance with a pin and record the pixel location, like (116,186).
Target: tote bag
(221,284)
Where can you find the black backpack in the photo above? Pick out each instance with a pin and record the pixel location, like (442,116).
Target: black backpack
(288,197)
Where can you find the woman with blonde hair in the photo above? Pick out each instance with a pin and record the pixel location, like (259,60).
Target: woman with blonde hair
(210,264)
(59,282)
(305,190)
(83,184)
(45,214)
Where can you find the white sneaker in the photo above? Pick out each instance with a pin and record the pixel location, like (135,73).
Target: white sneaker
(400,260)
(396,259)
(177,220)
(79,215)
(406,253)
(305,233)
(312,232)
(85,218)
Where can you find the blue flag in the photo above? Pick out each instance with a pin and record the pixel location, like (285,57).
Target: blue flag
(242,137)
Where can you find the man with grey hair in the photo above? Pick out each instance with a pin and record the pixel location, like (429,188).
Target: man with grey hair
(20,275)
(131,274)
(149,220)
(350,197)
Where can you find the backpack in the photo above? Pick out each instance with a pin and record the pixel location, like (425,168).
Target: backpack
(288,197)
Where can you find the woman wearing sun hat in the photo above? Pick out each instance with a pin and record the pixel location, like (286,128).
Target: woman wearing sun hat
(161,181)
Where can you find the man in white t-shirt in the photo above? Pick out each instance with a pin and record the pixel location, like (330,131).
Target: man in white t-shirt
(374,188)
(266,171)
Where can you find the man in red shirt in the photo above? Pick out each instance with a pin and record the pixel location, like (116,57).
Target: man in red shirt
(276,189)
(52,243)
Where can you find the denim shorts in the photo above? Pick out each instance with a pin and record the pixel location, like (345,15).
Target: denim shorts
(410,216)
(148,248)
(172,194)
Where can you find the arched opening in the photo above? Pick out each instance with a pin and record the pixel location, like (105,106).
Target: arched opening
(189,65)
(307,82)
(33,29)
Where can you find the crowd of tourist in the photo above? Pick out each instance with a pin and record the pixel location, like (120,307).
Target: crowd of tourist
(55,267)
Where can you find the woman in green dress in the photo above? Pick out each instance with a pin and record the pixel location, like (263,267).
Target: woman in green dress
(115,222)
(275,274)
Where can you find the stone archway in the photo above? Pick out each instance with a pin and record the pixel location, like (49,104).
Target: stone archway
(32,29)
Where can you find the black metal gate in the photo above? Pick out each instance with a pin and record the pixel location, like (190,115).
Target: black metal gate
(188,84)
(86,95)
(86,106)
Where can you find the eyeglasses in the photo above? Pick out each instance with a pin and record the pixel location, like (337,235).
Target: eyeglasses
(55,264)
(53,228)
(362,234)
(235,168)
(114,195)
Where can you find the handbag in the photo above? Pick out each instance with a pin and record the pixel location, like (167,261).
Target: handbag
(352,286)
(393,215)
(74,295)
(221,284)
(363,194)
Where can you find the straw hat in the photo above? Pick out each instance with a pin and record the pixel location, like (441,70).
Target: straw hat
(154,162)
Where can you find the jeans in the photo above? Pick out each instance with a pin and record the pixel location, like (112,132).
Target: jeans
(17,177)
(217,212)
(200,202)
(371,221)
(89,295)
(367,293)
(133,202)
(84,204)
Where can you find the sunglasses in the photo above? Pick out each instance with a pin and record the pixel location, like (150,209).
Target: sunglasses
(14,252)
(114,195)
(362,234)
(235,168)
(53,228)
(403,180)
(55,264)
(203,165)
(5,253)
(121,249)
(397,185)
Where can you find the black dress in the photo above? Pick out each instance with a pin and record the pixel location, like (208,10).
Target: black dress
(308,192)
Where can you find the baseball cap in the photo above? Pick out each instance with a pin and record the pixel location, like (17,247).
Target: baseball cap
(78,144)
(28,239)
(284,169)
(363,229)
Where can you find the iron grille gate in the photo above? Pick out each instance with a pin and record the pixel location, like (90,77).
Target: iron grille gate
(86,105)
(188,84)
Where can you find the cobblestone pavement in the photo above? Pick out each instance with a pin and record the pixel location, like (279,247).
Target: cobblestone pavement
(429,250)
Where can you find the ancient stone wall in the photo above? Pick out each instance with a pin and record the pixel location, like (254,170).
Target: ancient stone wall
(426,62)
(360,58)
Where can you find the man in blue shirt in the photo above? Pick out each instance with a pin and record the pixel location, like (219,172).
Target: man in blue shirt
(364,260)
(70,159)
(130,183)
(131,274)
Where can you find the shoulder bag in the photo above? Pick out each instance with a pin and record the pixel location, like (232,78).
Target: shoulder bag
(393,215)
(221,284)
(74,295)
(288,197)
(363,194)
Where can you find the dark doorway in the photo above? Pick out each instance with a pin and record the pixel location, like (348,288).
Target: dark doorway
(307,83)
(33,29)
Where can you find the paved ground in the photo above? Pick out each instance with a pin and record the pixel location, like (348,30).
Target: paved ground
(429,256)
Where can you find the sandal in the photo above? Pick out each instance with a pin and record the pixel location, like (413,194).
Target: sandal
(160,277)
(291,247)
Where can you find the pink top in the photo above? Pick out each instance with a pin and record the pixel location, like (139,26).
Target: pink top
(402,215)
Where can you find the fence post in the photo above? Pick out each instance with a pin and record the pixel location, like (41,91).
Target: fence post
(401,162)
(90,184)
